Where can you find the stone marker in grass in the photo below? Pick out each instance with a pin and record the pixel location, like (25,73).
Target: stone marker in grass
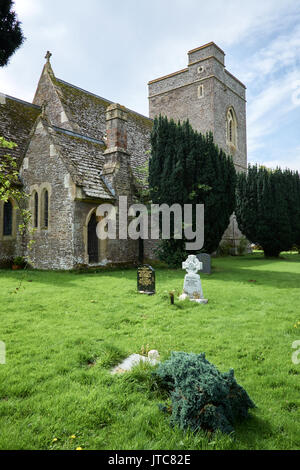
(134,360)
(205,259)
(146,279)
(192,287)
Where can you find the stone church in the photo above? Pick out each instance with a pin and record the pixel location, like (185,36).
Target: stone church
(76,150)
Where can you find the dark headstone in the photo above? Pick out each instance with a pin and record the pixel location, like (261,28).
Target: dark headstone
(146,279)
(206,260)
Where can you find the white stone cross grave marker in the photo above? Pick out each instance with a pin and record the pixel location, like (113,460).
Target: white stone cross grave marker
(192,287)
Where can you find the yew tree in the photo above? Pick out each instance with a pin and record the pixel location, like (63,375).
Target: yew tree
(186,167)
(11,35)
(268,208)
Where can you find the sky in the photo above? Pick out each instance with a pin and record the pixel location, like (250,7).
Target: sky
(114,47)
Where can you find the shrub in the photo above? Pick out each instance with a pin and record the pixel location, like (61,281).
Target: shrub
(201,396)
(225,248)
(20,261)
(268,208)
(242,246)
(172,252)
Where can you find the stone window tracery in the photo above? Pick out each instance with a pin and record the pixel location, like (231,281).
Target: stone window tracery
(231,127)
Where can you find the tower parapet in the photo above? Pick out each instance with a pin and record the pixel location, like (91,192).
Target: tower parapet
(206,51)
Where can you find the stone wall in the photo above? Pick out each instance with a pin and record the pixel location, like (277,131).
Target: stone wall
(44,170)
(223,99)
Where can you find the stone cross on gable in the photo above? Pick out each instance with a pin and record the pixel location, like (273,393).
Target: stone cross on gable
(192,264)
(47,56)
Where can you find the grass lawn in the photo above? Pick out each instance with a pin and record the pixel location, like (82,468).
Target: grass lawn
(64,331)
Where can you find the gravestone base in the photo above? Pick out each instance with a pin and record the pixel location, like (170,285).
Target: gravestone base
(145,292)
(199,301)
(192,299)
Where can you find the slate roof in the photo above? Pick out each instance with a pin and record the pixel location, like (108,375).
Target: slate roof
(84,159)
(88,110)
(17,118)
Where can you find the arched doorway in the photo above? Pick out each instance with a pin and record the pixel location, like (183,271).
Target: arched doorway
(93,242)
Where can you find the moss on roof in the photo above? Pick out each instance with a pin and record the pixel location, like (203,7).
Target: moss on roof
(16,122)
(71,92)
(84,160)
(88,109)
(140,119)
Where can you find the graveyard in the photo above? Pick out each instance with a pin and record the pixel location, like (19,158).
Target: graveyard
(65,332)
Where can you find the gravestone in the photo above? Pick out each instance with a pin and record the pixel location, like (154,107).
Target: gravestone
(146,279)
(192,287)
(135,359)
(205,259)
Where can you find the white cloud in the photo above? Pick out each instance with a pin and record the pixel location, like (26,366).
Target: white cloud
(282,52)
(55,32)
(12,87)
(289,159)
(273,78)
(27,9)
(270,108)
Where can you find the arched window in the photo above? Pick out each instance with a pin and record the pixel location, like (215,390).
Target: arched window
(231,127)
(36,210)
(7,218)
(93,241)
(46,208)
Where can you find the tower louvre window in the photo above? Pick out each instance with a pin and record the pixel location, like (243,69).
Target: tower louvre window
(200,91)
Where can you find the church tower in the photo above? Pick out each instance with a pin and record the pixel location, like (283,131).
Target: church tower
(209,96)
(213,100)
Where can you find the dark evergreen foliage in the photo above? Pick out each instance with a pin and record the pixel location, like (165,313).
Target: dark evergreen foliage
(268,208)
(201,396)
(11,36)
(186,167)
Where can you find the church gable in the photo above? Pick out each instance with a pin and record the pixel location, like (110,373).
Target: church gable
(82,112)
(48,98)
(81,156)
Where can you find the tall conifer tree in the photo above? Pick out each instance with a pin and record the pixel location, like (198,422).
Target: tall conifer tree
(11,36)
(268,208)
(186,167)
